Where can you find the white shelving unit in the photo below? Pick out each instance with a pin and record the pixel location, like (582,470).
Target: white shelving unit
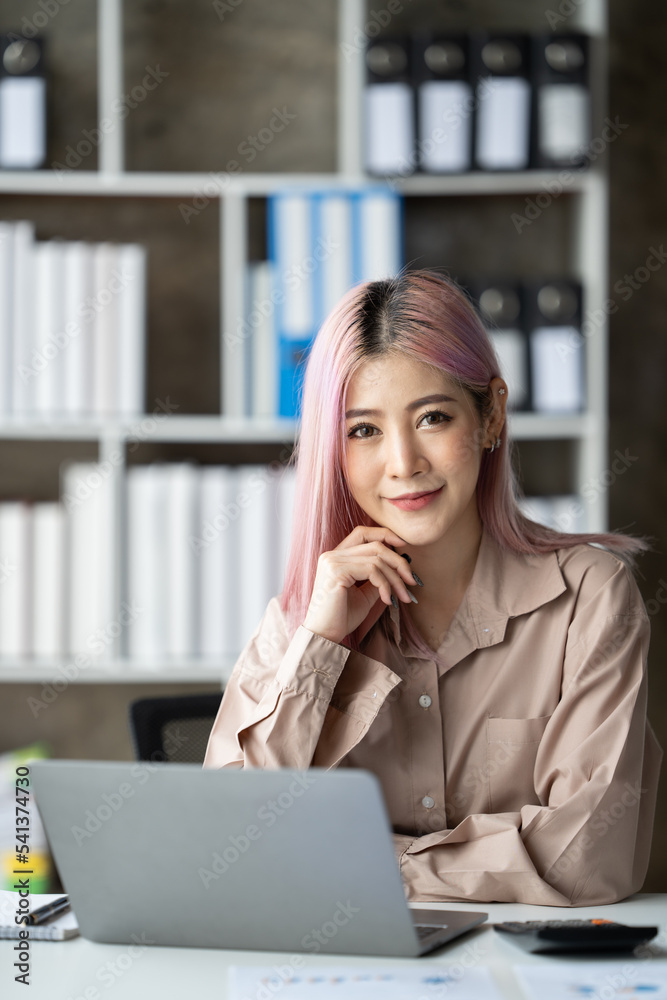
(588,431)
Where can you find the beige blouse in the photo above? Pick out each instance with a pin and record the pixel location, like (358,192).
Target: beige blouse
(524,769)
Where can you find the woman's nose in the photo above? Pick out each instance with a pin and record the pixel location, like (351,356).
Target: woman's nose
(404,456)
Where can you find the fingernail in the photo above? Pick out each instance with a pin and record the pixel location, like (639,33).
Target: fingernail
(404,555)
(394,602)
(413,598)
(417,580)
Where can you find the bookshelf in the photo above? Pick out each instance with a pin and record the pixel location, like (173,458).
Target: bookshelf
(231,194)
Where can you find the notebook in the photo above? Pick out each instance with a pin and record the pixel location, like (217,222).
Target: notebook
(281,860)
(60,928)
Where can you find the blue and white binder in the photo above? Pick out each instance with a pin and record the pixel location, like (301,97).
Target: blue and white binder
(293,253)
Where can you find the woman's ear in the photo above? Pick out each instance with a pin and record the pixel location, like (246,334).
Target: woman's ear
(496,420)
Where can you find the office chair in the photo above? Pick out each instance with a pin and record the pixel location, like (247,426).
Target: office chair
(173,728)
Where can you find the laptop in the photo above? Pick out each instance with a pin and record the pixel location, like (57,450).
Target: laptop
(280,860)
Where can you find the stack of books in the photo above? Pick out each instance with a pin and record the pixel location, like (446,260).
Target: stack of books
(72,326)
(205,550)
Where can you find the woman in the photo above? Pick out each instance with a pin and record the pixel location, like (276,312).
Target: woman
(489,671)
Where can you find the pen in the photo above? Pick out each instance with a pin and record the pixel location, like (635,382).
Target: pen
(44,913)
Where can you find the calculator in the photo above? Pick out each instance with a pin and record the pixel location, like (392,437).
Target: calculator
(547,937)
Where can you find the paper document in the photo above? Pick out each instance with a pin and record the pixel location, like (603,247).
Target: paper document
(428,980)
(632,979)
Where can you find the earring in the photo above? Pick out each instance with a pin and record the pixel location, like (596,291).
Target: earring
(501,392)
(493,447)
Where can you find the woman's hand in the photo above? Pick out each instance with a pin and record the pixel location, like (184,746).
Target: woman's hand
(338,606)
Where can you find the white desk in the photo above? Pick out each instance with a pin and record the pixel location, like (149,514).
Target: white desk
(81,970)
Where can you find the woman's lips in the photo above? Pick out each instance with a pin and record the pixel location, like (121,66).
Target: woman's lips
(416,502)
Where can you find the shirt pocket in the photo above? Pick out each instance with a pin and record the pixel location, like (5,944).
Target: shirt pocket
(511,749)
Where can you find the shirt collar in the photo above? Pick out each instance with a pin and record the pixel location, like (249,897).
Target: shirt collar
(504,585)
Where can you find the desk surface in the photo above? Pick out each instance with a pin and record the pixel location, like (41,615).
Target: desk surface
(82,970)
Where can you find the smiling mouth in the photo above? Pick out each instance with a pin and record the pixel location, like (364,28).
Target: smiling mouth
(415,496)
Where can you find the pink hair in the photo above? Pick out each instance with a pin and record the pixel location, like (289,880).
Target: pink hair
(427,317)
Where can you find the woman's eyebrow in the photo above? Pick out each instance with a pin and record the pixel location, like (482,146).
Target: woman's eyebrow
(435,398)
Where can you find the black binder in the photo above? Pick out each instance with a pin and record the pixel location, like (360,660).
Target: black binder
(22,103)
(445,103)
(501,67)
(501,307)
(562,112)
(557,347)
(389,109)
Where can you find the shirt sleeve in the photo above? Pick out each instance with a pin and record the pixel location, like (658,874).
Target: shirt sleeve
(295,702)
(587,841)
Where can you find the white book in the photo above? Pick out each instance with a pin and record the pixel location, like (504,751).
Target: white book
(87,494)
(15,544)
(146,561)
(335,273)
(23,297)
(182,597)
(106,289)
(78,329)
(263,345)
(389,128)
(131,329)
(6,315)
(286,486)
(378,231)
(215,545)
(22,122)
(47,356)
(258,545)
(445,119)
(48,580)
(503,123)
(557,370)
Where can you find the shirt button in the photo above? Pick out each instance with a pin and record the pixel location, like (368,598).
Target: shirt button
(425,701)
(428,802)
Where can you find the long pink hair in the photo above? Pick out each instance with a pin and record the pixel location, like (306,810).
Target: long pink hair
(426,317)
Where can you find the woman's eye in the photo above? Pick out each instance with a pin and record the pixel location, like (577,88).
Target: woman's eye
(357,431)
(439,418)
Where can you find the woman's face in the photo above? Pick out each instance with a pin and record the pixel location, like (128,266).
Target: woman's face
(422,436)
